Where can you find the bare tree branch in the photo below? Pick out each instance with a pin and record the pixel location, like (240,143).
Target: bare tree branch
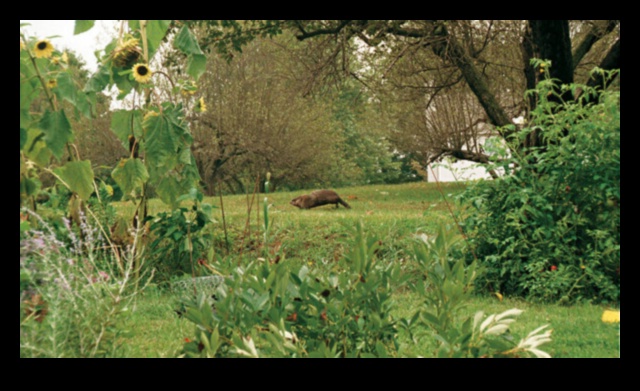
(305,35)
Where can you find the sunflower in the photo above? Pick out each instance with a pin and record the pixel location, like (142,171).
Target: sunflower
(142,73)
(126,53)
(43,48)
(201,107)
(52,83)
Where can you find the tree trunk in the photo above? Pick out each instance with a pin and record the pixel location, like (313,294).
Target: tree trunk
(611,61)
(551,41)
(449,49)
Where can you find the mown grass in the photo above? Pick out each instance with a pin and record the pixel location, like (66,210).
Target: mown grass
(393,214)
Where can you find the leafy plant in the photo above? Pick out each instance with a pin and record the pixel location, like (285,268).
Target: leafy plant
(273,311)
(181,238)
(446,290)
(72,299)
(550,229)
(265,310)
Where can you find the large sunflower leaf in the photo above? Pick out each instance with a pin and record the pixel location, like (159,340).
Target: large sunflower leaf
(197,64)
(123,122)
(57,131)
(169,189)
(82,26)
(78,176)
(186,42)
(100,79)
(68,91)
(36,149)
(130,174)
(156,31)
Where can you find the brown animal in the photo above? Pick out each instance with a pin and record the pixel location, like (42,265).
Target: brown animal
(318,198)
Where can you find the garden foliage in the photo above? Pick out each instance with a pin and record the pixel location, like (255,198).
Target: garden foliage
(550,229)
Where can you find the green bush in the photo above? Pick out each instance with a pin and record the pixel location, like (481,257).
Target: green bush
(550,229)
(180,240)
(277,310)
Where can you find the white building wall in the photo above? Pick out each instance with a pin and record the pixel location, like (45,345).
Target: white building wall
(461,170)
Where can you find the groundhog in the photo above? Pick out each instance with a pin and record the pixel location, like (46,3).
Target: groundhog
(318,198)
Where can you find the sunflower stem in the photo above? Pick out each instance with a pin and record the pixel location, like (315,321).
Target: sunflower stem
(143,35)
(44,85)
(35,66)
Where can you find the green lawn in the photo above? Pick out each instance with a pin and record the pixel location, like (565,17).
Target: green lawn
(393,214)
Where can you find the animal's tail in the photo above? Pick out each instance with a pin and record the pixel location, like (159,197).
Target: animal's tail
(340,200)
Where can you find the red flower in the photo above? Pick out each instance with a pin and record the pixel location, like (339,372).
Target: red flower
(293,317)
(187,340)
(554,268)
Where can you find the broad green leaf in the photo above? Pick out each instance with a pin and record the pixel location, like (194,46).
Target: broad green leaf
(78,176)
(67,90)
(82,26)
(36,149)
(124,122)
(28,186)
(160,143)
(164,137)
(185,156)
(28,91)
(57,131)
(156,30)
(169,189)
(130,174)
(196,65)
(186,42)
(100,79)
(381,350)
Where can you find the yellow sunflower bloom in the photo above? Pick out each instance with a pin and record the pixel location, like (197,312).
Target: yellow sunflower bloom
(43,49)
(609,316)
(142,73)
(52,83)
(201,107)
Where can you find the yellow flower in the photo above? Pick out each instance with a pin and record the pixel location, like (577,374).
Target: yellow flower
(609,316)
(201,106)
(52,83)
(142,73)
(65,58)
(43,49)
(21,45)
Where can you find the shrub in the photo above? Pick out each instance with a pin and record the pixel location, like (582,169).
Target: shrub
(550,230)
(276,310)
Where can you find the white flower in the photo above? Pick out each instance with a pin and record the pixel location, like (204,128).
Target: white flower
(518,120)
